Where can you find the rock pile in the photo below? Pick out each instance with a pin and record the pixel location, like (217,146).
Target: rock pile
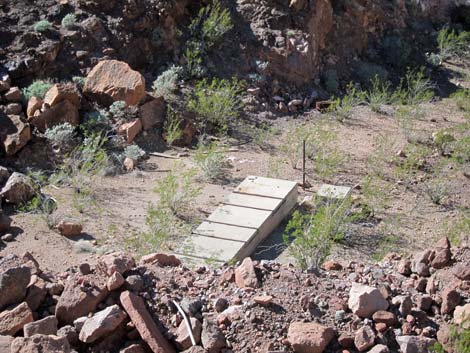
(159,305)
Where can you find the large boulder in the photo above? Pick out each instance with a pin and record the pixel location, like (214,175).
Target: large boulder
(245,275)
(5,343)
(18,189)
(40,344)
(14,280)
(364,301)
(111,80)
(81,295)
(212,338)
(414,344)
(46,326)
(62,112)
(13,320)
(102,323)
(309,337)
(62,92)
(15,133)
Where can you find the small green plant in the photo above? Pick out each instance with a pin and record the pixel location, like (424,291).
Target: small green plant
(443,140)
(415,88)
(407,116)
(211,160)
(376,193)
(414,160)
(79,80)
(62,135)
(342,107)
(177,190)
(458,228)
(437,190)
(133,152)
(165,84)
(461,150)
(172,130)
(42,26)
(292,144)
(378,94)
(460,337)
(84,246)
(69,21)
(310,237)
(211,24)
(388,236)
(217,103)
(462,99)
(120,111)
(452,44)
(37,89)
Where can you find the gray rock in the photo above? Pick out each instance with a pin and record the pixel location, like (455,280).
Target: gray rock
(46,326)
(414,344)
(18,189)
(365,301)
(103,322)
(14,279)
(212,338)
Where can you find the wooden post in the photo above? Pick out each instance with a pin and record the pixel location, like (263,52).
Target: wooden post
(303,164)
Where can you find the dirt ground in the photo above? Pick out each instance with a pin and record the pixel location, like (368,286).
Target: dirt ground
(119,206)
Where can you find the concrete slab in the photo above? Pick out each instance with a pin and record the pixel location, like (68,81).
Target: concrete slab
(268,187)
(252,201)
(225,231)
(239,216)
(211,249)
(334,191)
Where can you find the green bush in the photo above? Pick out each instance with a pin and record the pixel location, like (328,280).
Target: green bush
(452,44)
(172,130)
(37,89)
(79,80)
(378,94)
(165,84)
(61,135)
(69,21)
(396,51)
(42,26)
(177,190)
(211,160)
(119,111)
(310,237)
(462,99)
(217,102)
(414,88)
(342,107)
(133,152)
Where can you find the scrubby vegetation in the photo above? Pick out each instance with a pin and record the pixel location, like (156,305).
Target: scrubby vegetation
(37,89)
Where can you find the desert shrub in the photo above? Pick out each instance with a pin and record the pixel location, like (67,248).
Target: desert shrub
(69,21)
(367,72)
(437,190)
(37,89)
(217,103)
(396,51)
(292,144)
(211,23)
(211,160)
(177,190)
(376,193)
(133,152)
(120,111)
(414,88)
(310,237)
(42,26)
(165,84)
(172,130)
(84,246)
(378,94)
(342,107)
(458,228)
(79,80)
(452,44)
(443,140)
(61,135)
(414,160)
(462,99)
(461,150)
(96,121)
(407,116)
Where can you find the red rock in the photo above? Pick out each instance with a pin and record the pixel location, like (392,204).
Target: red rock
(406,328)
(152,113)
(404,267)
(40,344)
(385,317)
(111,80)
(34,104)
(450,299)
(346,340)
(46,326)
(130,129)
(13,109)
(62,92)
(212,338)
(81,296)
(161,259)
(380,327)
(13,94)
(245,275)
(332,266)
(115,281)
(365,301)
(364,338)
(14,279)
(13,320)
(62,112)
(263,299)
(101,323)
(129,164)
(115,262)
(5,343)
(15,133)
(323,106)
(135,308)
(69,229)
(442,255)
(309,337)
(462,270)
(183,340)
(424,302)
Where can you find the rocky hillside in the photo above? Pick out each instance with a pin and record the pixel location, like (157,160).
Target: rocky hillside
(407,305)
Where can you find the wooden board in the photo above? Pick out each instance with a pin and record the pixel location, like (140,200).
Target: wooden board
(245,218)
